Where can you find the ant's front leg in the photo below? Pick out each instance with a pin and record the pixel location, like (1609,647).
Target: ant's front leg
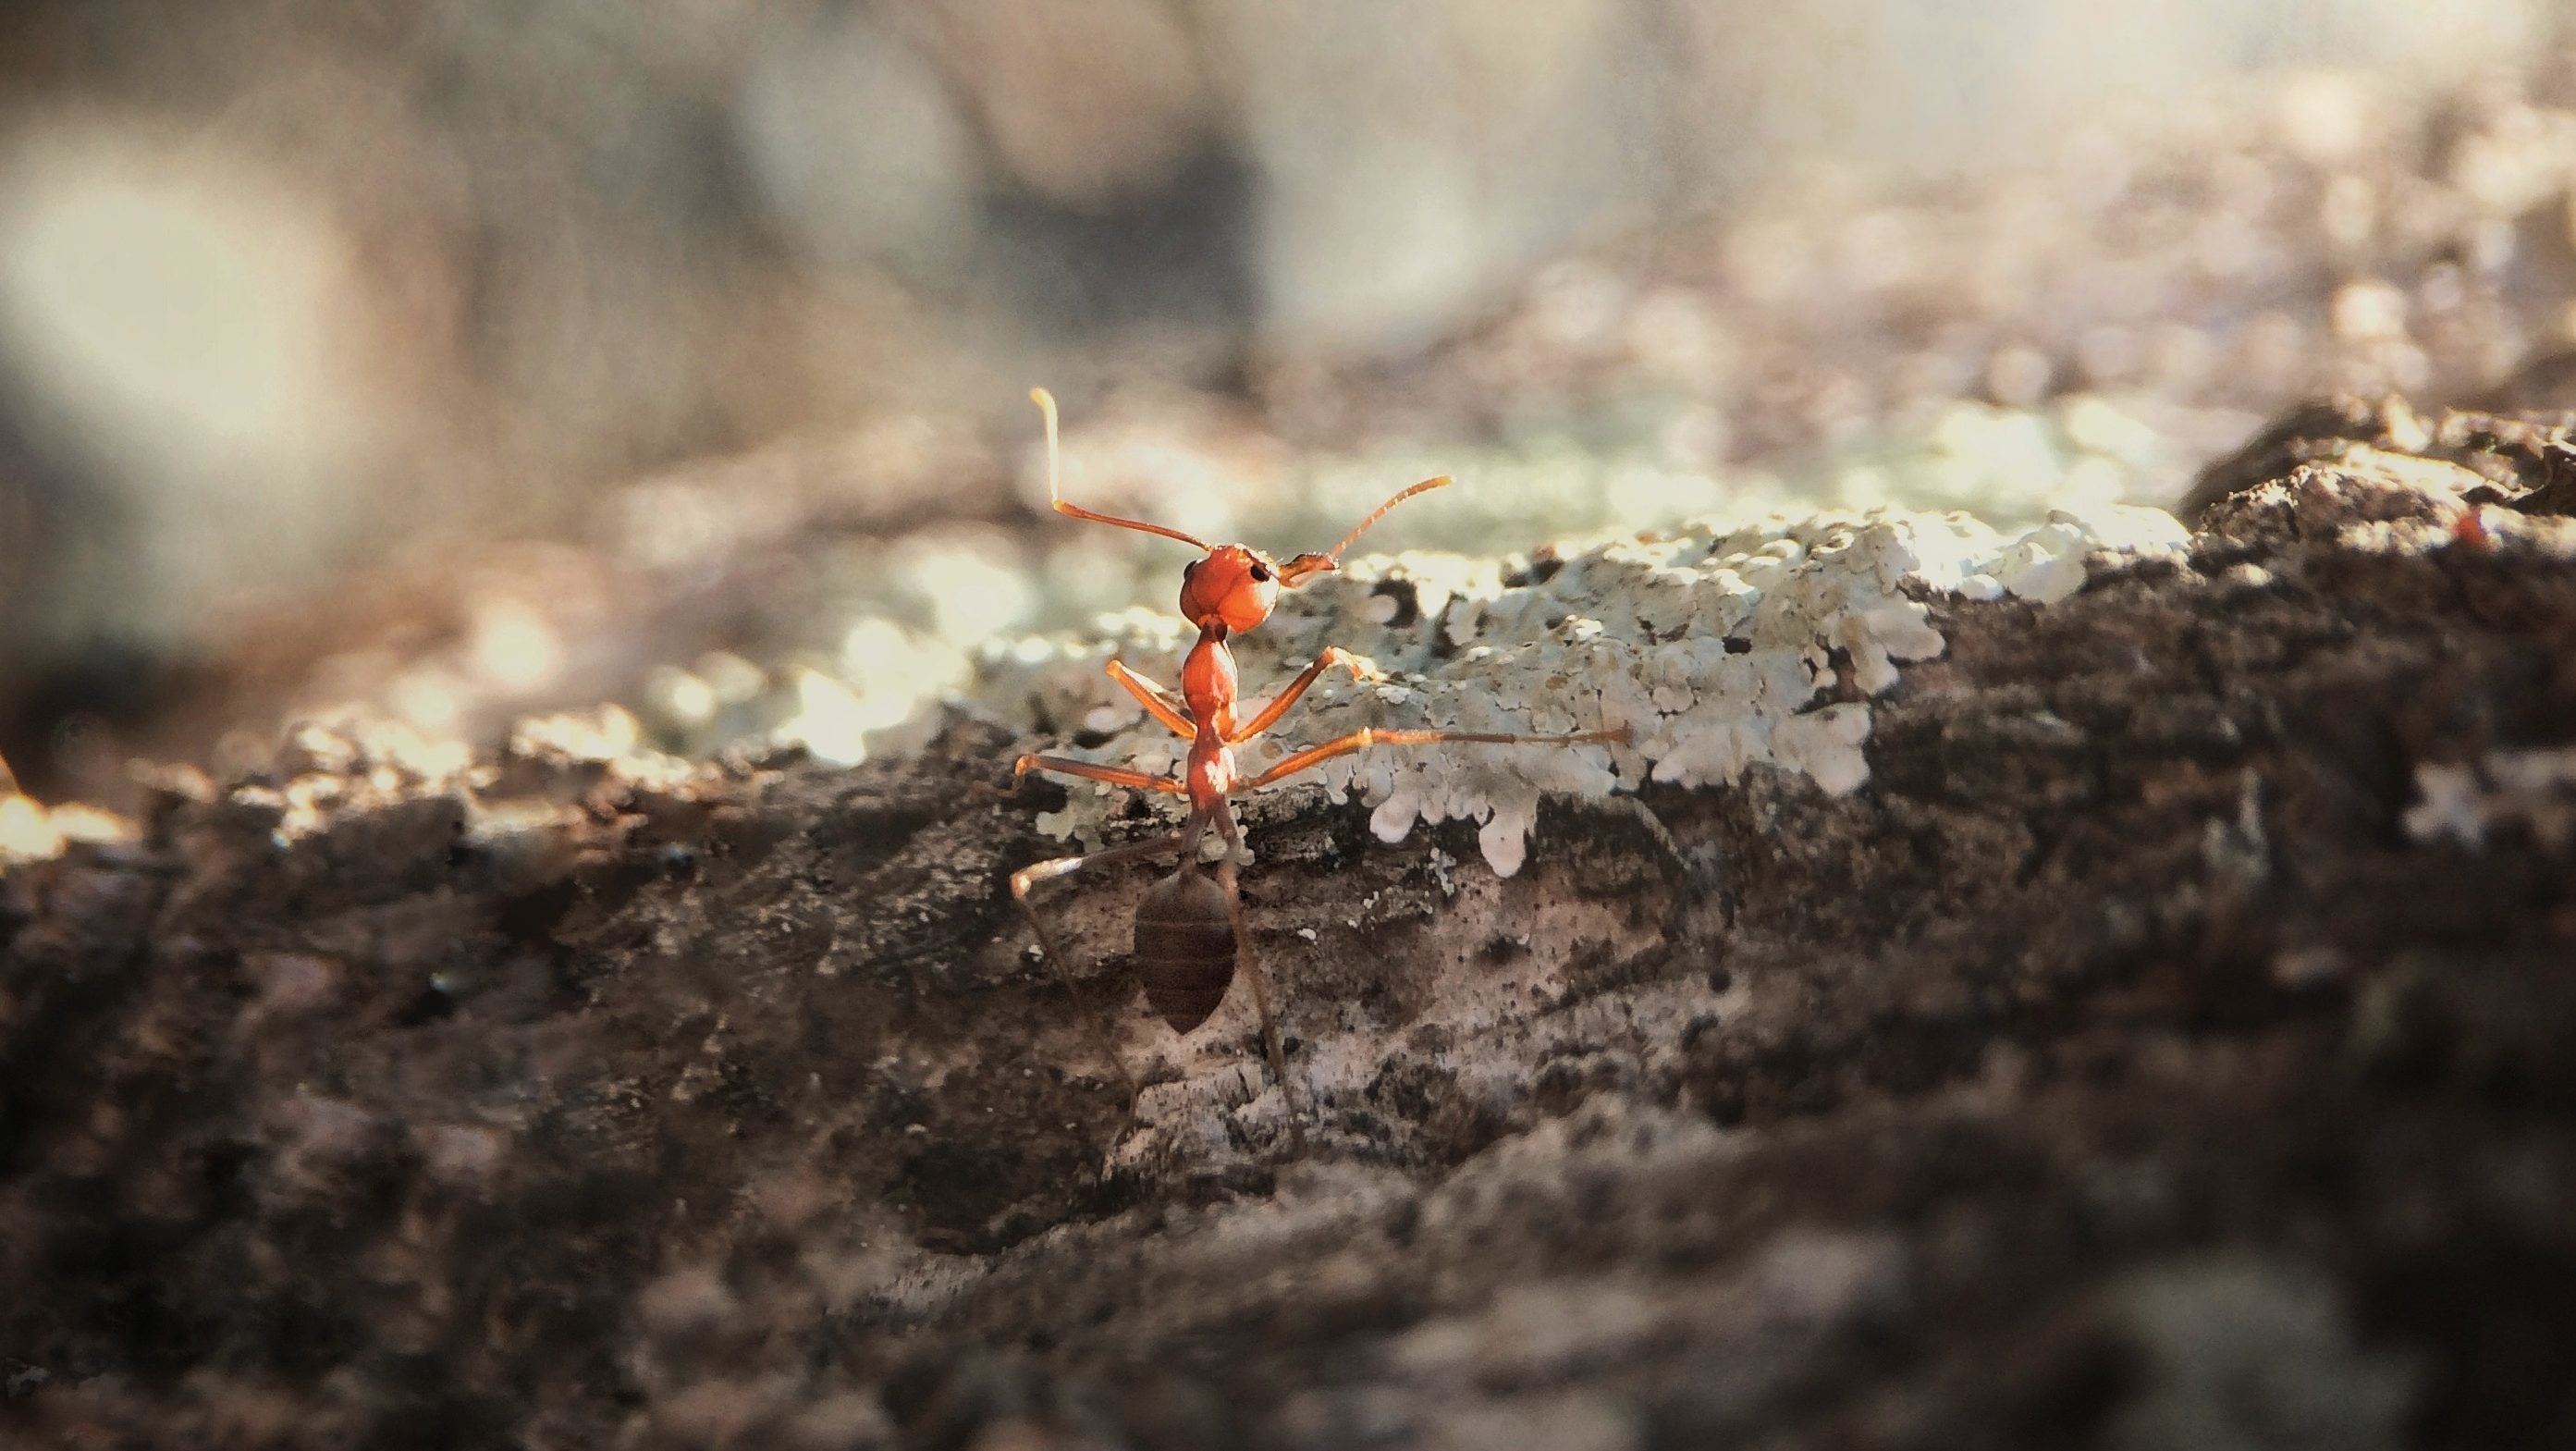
(1333,655)
(1159,703)
(1026,880)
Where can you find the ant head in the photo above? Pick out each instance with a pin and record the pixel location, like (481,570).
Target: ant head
(1233,586)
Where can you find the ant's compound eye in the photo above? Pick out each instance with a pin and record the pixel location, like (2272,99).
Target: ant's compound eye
(1260,572)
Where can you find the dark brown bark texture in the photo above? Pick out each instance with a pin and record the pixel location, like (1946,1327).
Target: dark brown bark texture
(2122,1065)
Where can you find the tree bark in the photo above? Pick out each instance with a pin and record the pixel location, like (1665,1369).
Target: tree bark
(2165,1047)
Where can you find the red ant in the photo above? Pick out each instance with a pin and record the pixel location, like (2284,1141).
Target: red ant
(2470,532)
(1190,932)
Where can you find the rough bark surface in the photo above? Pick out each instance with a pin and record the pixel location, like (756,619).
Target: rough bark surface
(2123,1065)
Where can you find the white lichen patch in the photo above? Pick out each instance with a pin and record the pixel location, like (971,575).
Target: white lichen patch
(2466,803)
(31,831)
(2503,530)
(902,619)
(1720,645)
(523,801)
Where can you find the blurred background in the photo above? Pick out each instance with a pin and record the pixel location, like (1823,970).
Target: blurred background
(462,358)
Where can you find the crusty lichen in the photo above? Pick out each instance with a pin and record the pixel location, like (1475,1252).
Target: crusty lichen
(31,831)
(1719,644)
(2466,802)
(904,620)
(355,765)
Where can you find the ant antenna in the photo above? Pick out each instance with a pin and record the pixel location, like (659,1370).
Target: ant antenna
(1426,486)
(1055,492)
(1298,570)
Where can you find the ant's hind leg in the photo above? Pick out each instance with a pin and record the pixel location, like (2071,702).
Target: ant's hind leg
(1251,968)
(1025,881)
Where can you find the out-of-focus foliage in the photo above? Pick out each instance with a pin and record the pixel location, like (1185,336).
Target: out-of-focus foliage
(283,287)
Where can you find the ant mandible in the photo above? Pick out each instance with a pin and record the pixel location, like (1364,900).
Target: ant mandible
(1190,933)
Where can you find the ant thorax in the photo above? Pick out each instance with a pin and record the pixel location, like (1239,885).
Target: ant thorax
(1209,682)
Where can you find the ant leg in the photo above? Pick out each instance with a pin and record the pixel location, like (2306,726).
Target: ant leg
(1227,877)
(1333,655)
(1361,740)
(1093,771)
(1157,701)
(1026,880)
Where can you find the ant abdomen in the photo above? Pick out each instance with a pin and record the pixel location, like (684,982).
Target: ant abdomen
(1184,947)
